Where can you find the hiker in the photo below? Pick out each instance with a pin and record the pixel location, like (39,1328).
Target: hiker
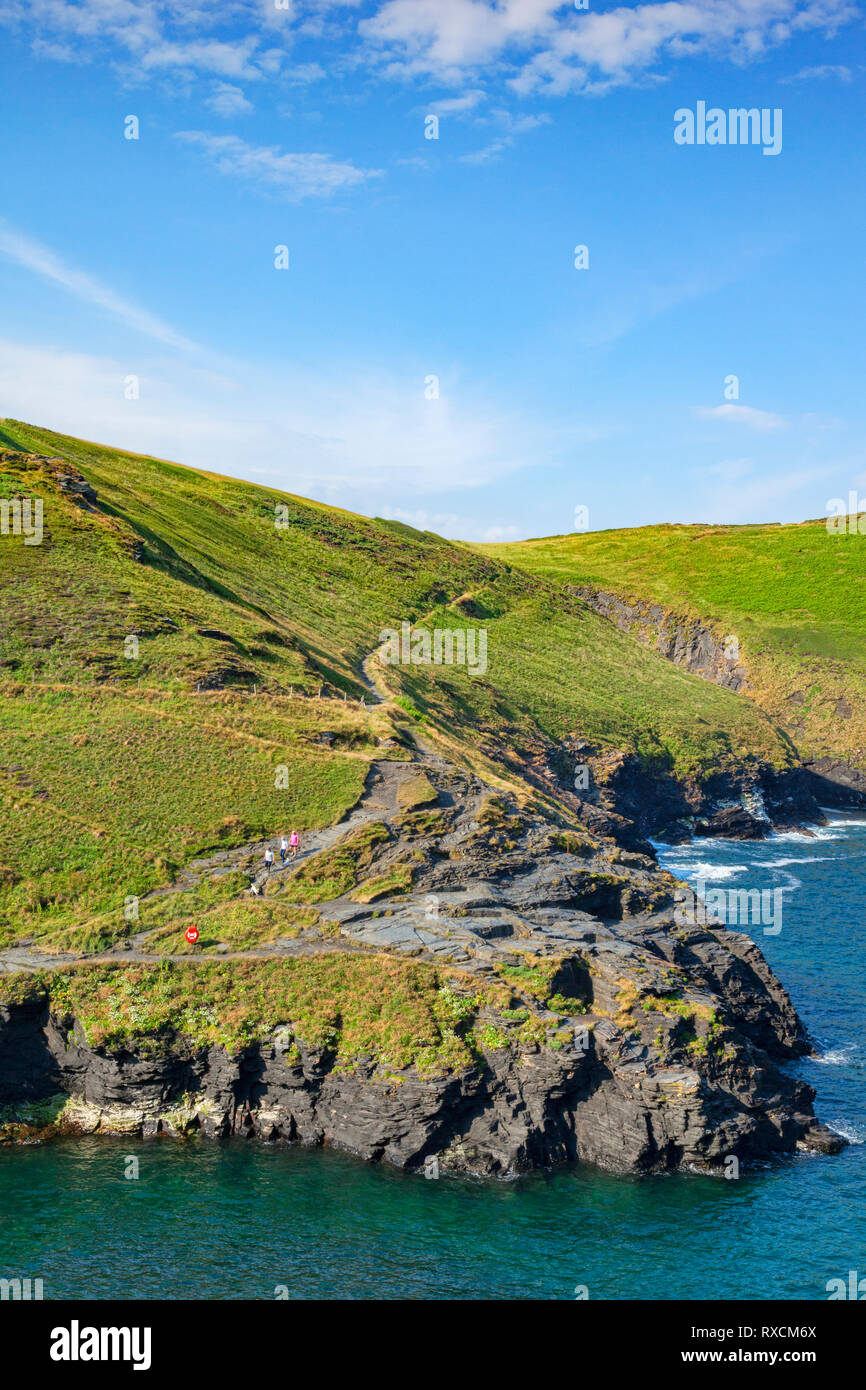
(294,842)
(284,849)
(269,858)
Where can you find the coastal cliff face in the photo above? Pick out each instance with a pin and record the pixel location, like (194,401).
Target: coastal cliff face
(574,1015)
(743,802)
(489,974)
(616,793)
(685,641)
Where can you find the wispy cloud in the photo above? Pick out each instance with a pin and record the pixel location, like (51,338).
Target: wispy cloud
(455,106)
(742,415)
(729,470)
(509,127)
(237,58)
(765,497)
(228,100)
(42,261)
(366,438)
(157,36)
(296,175)
(820,73)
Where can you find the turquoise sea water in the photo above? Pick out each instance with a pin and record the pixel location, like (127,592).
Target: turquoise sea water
(232,1221)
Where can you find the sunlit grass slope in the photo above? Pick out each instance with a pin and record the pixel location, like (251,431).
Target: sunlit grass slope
(117,768)
(795,596)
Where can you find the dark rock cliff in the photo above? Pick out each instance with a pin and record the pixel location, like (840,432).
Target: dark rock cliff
(659,1042)
(685,641)
(744,803)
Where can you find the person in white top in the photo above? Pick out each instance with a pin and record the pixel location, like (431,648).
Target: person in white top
(269,858)
(284,849)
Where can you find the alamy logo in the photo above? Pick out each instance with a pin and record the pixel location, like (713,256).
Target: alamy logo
(737,126)
(20,1289)
(855,1289)
(22,517)
(419,647)
(846,519)
(731,907)
(76,1343)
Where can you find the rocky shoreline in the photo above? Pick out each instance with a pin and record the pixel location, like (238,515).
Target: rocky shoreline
(602,1029)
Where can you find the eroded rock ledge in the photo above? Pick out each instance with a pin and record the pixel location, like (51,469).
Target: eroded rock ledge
(591,1025)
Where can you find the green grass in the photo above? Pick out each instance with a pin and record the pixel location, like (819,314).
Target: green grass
(398,879)
(299,604)
(394,1012)
(304,604)
(414,793)
(793,595)
(106,795)
(240,924)
(115,772)
(556,668)
(333,872)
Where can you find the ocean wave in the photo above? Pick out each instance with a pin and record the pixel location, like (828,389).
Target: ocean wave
(798,859)
(853,1131)
(836,1056)
(801,837)
(702,868)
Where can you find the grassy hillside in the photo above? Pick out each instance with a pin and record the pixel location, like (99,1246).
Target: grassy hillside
(121,762)
(794,596)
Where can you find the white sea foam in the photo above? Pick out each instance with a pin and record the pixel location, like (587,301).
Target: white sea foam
(854,1132)
(836,1056)
(702,868)
(800,837)
(798,859)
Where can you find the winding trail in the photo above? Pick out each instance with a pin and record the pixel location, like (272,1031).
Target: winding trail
(379,797)
(378,800)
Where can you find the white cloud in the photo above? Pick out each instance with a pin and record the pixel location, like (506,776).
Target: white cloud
(368,439)
(562,51)
(42,261)
(204,55)
(825,70)
(742,415)
(296,175)
(730,470)
(455,106)
(496,533)
(156,35)
(227,100)
(511,127)
(305,73)
(538,44)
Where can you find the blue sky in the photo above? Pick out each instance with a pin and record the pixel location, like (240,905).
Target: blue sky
(410,258)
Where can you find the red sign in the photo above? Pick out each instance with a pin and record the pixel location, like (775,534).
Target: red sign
(191,935)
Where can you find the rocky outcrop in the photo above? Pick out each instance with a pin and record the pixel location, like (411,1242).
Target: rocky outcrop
(616,794)
(68,480)
(602,1104)
(835,782)
(820,781)
(619,1033)
(683,640)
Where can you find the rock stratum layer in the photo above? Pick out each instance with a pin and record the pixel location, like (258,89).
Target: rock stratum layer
(585,1019)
